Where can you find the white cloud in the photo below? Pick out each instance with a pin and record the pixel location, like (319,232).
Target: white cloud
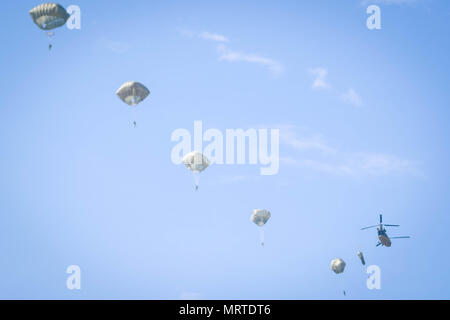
(226,54)
(313,153)
(187,33)
(320,75)
(203,35)
(235,56)
(213,36)
(119,47)
(234,179)
(357,164)
(388,2)
(321,166)
(304,140)
(320,82)
(379,163)
(352,97)
(191,296)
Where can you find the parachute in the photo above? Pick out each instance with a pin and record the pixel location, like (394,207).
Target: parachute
(196,162)
(337,265)
(49,16)
(132,93)
(361,257)
(260,218)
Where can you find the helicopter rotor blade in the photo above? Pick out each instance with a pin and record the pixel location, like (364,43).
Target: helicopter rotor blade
(392,225)
(404,237)
(381,218)
(369,227)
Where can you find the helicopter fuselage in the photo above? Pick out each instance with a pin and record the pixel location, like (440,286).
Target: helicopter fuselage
(383,237)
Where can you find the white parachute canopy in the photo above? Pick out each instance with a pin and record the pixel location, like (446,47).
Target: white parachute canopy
(337,265)
(260,217)
(48,16)
(196,162)
(132,92)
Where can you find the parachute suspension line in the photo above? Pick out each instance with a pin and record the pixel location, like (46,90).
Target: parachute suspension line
(342,281)
(133,114)
(50,34)
(261,236)
(196,176)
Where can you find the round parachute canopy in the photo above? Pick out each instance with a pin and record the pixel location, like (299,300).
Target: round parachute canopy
(132,92)
(260,217)
(195,161)
(338,265)
(49,16)
(361,257)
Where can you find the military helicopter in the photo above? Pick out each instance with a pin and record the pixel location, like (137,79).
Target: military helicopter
(382,235)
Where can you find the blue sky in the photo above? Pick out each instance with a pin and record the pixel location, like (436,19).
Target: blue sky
(364,130)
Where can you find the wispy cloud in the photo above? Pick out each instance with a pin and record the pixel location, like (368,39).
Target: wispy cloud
(229,55)
(118,47)
(312,152)
(321,166)
(205,35)
(352,97)
(187,33)
(388,2)
(302,139)
(320,75)
(235,178)
(213,37)
(380,163)
(358,164)
(226,54)
(191,296)
(320,82)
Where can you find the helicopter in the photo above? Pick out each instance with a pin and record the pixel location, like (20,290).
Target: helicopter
(382,235)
